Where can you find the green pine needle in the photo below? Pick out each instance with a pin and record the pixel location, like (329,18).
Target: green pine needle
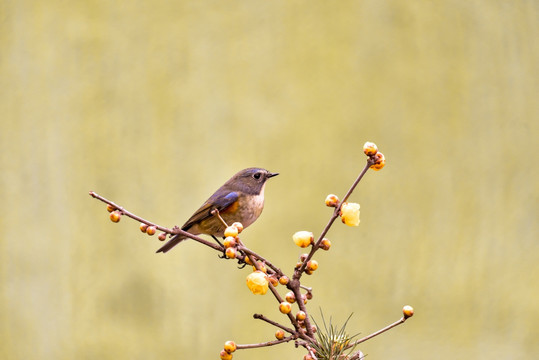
(333,341)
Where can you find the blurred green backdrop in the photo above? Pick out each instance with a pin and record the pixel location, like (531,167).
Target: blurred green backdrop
(155,104)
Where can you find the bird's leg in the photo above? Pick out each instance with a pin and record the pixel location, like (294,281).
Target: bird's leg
(215,212)
(224,249)
(218,242)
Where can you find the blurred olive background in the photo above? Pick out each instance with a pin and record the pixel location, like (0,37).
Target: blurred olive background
(155,104)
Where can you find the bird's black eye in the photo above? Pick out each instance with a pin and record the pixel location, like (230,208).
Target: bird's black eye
(257,175)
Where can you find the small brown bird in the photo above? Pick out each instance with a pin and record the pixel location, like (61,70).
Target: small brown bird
(240,199)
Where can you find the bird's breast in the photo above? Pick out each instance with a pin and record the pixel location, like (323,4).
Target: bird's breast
(249,209)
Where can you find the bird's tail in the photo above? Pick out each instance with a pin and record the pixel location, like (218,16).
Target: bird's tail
(175,240)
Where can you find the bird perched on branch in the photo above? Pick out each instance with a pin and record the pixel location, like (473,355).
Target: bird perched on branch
(240,199)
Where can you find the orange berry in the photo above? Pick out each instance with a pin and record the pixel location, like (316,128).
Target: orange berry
(290,297)
(332,200)
(230,347)
(162,236)
(238,226)
(284,280)
(379,161)
(279,334)
(262,267)
(229,242)
(151,230)
(285,307)
(110,208)
(312,265)
(408,311)
(370,149)
(115,216)
(224,355)
(303,257)
(231,231)
(143,227)
(378,166)
(273,281)
(308,272)
(325,244)
(301,315)
(248,260)
(230,253)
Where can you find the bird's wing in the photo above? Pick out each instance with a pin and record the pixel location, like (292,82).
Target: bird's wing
(218,202)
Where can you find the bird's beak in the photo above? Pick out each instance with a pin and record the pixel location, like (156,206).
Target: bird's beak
(272,175)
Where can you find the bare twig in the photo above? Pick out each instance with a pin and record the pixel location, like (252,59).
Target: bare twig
(376,333)
(268,343)
(335,215)
(159,227)
(215,212)
(262,317)
(246,250)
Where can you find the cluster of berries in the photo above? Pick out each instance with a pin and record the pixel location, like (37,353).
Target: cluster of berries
(371,150)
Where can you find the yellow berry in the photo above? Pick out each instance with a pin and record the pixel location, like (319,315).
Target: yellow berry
(230,253)
(303,238)
(162,236)
(284,280)
(350,214)
(110,208)
(285,307)
(248,260)
(279,334)
(290,297)
(231,231)
(230,347)
(229,242)
(225,356)
(408,311)
(238,226)
(301,315)
(304,298)
(115,216)
(257,282)
(332,200)
(151,230)
(370,149)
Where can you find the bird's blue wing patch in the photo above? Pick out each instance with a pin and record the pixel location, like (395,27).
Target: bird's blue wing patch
(223,202)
